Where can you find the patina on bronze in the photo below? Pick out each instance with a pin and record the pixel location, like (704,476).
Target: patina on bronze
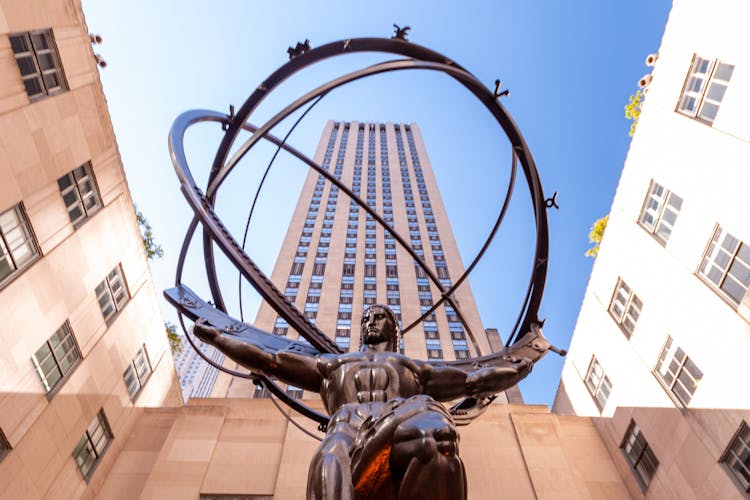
(388,436)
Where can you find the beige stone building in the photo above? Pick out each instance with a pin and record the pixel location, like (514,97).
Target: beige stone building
(244,449)
(90,405)
(336,259)
(662,341)
(83,342)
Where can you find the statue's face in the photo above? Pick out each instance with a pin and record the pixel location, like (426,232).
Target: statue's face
(377,326)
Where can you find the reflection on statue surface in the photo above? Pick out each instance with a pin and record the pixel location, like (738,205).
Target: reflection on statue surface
(388,436)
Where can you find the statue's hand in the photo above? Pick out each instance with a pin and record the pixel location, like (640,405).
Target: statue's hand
(204,331)
(494,379)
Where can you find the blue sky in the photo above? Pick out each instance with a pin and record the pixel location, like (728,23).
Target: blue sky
(570,68)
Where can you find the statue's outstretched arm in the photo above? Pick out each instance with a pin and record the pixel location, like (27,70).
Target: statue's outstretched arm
(445,383)
(299,369)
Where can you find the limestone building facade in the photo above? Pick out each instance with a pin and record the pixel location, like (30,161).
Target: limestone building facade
(661,344)
(336,260)
(83,342)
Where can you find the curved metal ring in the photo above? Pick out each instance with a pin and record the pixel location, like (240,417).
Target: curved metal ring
(203,205)
(532,301)
(216,181)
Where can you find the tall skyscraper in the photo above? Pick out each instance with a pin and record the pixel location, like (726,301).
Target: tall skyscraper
(83,342)
(662,341)
(197,377)
(336,259)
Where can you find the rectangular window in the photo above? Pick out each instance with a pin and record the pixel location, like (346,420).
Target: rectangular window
(137,373)
(638,453)
(677,372)
(259,393)
(736,458)
(112,294)
(704,88)
(461,353)
(294,392)
(319,269)
(282,331)
(92,445)
(79,192)
(625,307)
(57,357)
(660,211)
(17,245)
(5,446)
(726,266)
(434,354)
(598,384)
(39,62)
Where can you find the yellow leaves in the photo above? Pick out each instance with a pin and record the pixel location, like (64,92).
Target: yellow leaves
(596,235)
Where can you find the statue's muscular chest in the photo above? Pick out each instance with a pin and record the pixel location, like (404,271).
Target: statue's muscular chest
(364,378)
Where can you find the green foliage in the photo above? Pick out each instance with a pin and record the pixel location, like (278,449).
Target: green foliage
(596,235)
(153,249)
(633,110)
(175,341)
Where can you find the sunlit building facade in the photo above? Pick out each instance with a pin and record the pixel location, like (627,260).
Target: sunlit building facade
(336,259)
(83,344)
(661,344)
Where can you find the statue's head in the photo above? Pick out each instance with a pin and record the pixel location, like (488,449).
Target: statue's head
(379,325)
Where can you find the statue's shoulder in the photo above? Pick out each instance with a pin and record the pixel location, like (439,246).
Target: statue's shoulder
(400,359)
(329,362)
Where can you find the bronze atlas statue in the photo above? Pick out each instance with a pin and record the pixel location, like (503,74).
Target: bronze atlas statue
(387,434)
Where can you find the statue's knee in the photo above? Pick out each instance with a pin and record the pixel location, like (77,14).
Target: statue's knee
(425,436)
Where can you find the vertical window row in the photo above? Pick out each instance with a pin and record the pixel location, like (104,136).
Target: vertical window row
(346,288)
(369,294)
(393,297)
(281,327)
(432,337)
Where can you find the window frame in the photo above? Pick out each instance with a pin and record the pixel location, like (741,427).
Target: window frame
(140,378)
(709,259)
(742,435)
(663,207)
(684,364)
(117,307)
(30,237)
(635,431)
(74,186)
(5,446)
(700,97)
(64,376)
(626,308)
(88,438)
(34,55)
(595,386)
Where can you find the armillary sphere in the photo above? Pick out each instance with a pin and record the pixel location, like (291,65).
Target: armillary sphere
(525,338)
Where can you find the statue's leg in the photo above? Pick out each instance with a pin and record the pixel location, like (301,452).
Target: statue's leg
(425,458)
(329,476)
(409,452)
